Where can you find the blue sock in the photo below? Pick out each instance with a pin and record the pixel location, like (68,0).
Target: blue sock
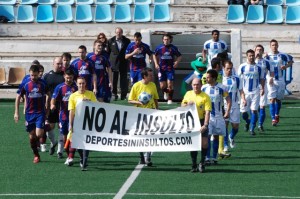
(226,139)
(208,148)
(272,111)
(253,120)
(277,107)
(262,116)
(233,133)
(215,148)
(246,117)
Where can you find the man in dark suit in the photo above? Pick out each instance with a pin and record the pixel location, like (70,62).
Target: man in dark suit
(119,64)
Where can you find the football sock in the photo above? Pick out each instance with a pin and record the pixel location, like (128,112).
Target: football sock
(85,156)
(246,117)
(51,136)
(194,157)
(272,110)
(80,151)
(203,154)
(33,145)
(277,107)
(60,147)
(253,120)
(221,144)
(233,133)
(166,90)
(226,138)
(208,148)
(215,148)
(262,116)
(71,152)
(171,92)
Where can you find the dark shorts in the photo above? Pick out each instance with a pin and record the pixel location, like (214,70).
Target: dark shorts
(33,121)
(135,76)
(104,93)
(205,134)
(64,127)
(53,116)
(166,75)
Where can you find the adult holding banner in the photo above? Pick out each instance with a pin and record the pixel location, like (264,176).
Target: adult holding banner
(203,104)
(144,94)
(81,95)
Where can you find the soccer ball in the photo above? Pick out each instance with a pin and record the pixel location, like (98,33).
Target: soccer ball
(144,97)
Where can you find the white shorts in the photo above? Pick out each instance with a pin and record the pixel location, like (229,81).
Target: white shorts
(276,91)
(235,116)
(252,102)
(216,126)
(263,101)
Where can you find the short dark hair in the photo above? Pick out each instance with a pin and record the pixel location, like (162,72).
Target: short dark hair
(168,35)
(227,62)
(83,47)
(215,61)
(213,73)
(41,67)
(215,31)
(273,40)
(35,62)
(137,35)
(69,72)
(250,51)
(145,71)
(67,55)
(34,68)
(259,45)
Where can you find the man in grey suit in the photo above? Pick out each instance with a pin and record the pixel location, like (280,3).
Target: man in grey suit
(117,46)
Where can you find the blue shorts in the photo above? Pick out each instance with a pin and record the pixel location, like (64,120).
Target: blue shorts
(104,93)
(64,127)
(34,120)
(166,75)
(135,76)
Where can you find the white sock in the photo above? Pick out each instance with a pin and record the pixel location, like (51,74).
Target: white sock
(60,147)
(51,137)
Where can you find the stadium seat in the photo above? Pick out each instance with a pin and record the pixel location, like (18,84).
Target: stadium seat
(123,1)
(141,13)
(103,13)
(29,1)
(7,2)
(274,2)
(64,13)
(292,2)
(15,75)
(292,15)
(65,2)
(255,14)
(161,13)
(83,13)
(104,1)
(235,14)
(84,2)
(137,2)
(274,14)
(122,13)
(44,14)
(25,14)
(161,2)
(8,12)
(51,2)
(2,76)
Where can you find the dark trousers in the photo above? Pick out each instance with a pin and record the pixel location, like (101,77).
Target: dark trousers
(123,83)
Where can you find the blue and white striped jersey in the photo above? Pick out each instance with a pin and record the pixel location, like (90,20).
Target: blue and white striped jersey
(265,66)
(214,47)
(276,61)
(216,94)
(232,85)
(250,75)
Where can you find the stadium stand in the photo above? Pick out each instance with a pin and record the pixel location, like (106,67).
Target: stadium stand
(292,15)
(65,2)
(141,13)
(274,14)
(84,2)
(103,13)
(83,13)
(104,2)
(235,14)
(161,13)
(292,2)
(7,11)
(63,14)
(15,76)
(274,2)
(161,2)
(255,14)
(136,2)
(44,14)
(7,2)
(25,14)
(29,2)
(123,1)
(50,2)
(122,13)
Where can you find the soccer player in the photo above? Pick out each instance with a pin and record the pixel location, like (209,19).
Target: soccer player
(103,72)
(233,86)
(266,68)
(83,67)
(253,87)
(167,58)
(66,60)
(34,91)
(204,107)
(144,85)
(216,92)
(81,95)
(53,78)
(61,95)
(136,52)
(276,87)
(213,46)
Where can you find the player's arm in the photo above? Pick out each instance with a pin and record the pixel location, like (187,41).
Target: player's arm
(110,76)
(227,112)
(129,55)
(262,84)
(177,60)
(156,103)
(156,60)
(243,98)
(204,127)
(17,105)
(204,52)
(71,119)
(135,102)
(52,104)
(95,83)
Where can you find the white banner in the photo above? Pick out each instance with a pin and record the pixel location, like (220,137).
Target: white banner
(115,128)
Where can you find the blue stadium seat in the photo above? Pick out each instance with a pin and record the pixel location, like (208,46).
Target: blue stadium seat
(292,15)
(103,13)
(292,2)
(136,2)
(141,13)
(50,2)
(235,14)
(255,14)
(274,2)
(65,2)
(7,2)
(25,14)
(161,13)
(83,13)
(274,14)
(161,2)
(123,1)
(104,1)
(84,2)
(44,14)
(26,2)
(64,13)
(8,12)
(122,13)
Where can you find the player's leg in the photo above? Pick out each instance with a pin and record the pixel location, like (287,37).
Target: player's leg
(63,132)
(244,110)
(215,149)
(52,118)
(254,115)
(33,139)
(235,121)
(263,102)
(280,96)
(204,142)
(115,84)
(123,83)
(170,82)
(162,78)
